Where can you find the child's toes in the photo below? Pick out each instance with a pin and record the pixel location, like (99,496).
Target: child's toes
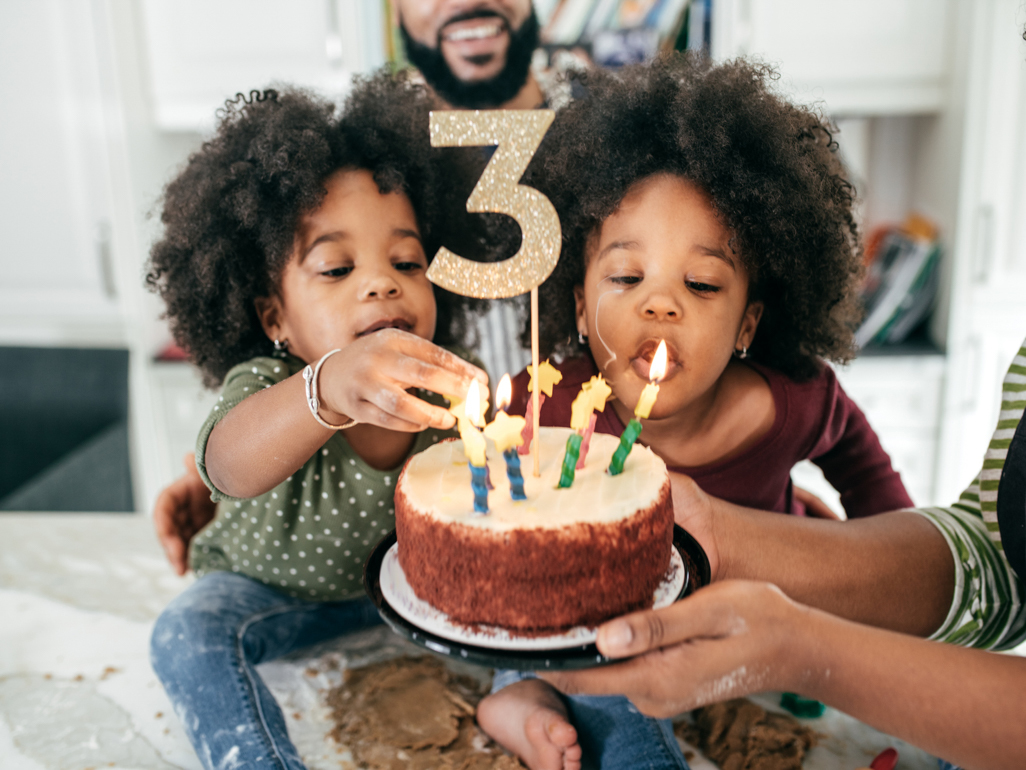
(551,738)
(561,732)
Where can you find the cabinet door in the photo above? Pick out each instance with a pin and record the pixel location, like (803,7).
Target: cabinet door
(201,53)
(994,176)
(988,276)
(57,282)
(859,56)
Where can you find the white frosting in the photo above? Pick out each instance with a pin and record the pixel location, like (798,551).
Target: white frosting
(437,483)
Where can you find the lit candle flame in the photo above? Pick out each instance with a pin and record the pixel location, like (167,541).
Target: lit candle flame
(504,393)
(472,406)
(657,370)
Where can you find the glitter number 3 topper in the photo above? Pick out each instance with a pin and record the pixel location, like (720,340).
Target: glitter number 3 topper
(517,134)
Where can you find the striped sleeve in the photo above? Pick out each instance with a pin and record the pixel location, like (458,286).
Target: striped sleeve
(987,609)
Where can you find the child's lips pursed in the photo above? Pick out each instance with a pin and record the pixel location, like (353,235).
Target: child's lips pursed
(641,362)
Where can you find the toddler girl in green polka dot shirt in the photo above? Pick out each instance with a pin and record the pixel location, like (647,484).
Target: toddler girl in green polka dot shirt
(293,267)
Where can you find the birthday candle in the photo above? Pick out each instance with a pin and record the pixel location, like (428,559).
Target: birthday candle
(630,434)
(586,440)
(528,432)
(548,376)
(474,444)
(507,433)
(592,396)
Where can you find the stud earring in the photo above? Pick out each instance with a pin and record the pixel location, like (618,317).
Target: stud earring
(742,353)
(281,348)
(582,339)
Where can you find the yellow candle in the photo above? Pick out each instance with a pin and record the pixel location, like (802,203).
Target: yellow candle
(591,398)
(472,413)
(656,372)
(473,443)
(548,375)
(506,431)
(647,401)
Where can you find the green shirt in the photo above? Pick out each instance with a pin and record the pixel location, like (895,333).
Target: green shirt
(311,535)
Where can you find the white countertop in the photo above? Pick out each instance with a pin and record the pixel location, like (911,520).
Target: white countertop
(78,597)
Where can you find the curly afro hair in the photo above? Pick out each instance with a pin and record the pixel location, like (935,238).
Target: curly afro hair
(231,215)
(770,169)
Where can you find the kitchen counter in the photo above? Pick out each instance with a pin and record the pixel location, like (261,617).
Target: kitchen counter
(78,597)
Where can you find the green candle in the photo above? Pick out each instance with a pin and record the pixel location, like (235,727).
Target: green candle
(573,449)
(627,438)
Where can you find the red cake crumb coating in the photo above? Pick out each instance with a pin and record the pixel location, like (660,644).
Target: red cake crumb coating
(536,580)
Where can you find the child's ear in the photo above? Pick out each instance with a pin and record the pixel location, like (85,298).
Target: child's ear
(749,324)
(268,310)
(580,310)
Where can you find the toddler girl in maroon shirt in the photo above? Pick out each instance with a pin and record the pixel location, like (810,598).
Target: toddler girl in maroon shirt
(700,209)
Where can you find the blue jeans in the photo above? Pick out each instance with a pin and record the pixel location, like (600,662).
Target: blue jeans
(613,734)
(205,649)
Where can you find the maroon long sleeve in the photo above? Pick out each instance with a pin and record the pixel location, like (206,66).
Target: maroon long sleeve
(815,420)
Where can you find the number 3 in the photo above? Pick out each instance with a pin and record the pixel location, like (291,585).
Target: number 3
(517,134)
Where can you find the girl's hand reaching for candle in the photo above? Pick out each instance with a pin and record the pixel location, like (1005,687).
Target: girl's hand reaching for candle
(369,379)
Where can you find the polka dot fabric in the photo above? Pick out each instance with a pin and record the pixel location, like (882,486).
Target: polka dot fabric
(310,536)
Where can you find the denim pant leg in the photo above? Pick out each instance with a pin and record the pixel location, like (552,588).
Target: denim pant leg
(205,648)
(612,733)
(615,735)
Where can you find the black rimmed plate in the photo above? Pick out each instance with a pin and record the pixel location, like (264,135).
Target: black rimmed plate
(696,567)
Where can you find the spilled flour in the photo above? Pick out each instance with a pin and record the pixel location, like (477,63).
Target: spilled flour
(741,735)
(412,713)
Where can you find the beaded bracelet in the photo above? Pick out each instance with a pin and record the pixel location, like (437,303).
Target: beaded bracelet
(310,376)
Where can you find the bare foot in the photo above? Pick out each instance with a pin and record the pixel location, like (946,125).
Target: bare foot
(529,719)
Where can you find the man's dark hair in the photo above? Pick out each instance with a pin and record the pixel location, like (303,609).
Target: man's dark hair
(769,168)
(230,217)
(483,94)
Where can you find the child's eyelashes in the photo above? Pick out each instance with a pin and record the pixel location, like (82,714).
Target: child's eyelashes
(408,267)
(702,288)
(338,272)
(624,280)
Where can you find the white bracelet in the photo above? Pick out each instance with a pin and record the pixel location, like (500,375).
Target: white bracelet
(310,376)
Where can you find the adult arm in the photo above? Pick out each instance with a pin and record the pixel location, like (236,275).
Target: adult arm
(739,637)
(182,509)
(894,570)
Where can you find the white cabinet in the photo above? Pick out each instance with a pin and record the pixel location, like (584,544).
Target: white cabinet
(201,53)
(58,282)
(856,56)
(988,278)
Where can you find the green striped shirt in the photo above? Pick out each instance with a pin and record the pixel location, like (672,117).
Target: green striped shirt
(987,610)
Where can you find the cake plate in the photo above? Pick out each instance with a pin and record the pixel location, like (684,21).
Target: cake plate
(525,656)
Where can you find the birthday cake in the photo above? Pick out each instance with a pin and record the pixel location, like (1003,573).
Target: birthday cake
(561,558)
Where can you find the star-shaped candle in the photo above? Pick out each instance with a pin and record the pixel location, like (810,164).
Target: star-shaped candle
(643,409)
(591,398)
(539,387)
(507,433)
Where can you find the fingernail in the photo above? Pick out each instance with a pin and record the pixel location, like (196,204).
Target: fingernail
(617,636)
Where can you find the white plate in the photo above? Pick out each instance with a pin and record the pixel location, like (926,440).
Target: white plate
(400,596)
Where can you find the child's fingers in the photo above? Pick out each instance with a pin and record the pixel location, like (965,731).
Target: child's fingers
(396,409)
(428,362)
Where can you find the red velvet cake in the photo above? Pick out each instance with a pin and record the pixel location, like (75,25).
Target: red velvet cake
(561,558)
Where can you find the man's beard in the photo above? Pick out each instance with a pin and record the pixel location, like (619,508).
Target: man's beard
(482,94)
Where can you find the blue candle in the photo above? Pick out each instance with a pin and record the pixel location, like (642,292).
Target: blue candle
(516,479)
(479,483)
